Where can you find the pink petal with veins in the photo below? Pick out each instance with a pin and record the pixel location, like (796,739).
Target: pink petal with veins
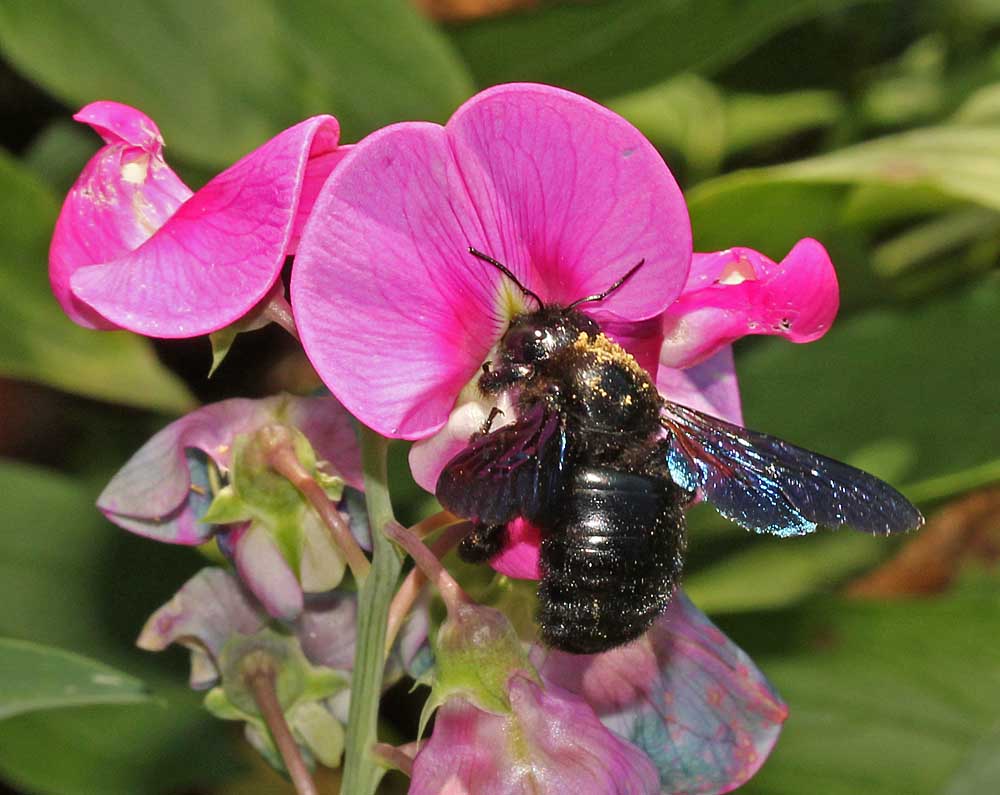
(564,192)
(124,194)
(133,248)
(520,558)
(736,292)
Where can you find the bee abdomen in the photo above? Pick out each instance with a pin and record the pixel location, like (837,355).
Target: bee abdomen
(610,560)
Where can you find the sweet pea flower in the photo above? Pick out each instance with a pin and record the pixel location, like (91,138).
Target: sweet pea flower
(569,196)
(278,543)
(135,248)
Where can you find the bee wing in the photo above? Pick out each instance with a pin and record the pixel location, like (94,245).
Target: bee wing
(510,472)
(770,486)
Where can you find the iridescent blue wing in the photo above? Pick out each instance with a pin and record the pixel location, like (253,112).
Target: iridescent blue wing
(513,471)
(771,486)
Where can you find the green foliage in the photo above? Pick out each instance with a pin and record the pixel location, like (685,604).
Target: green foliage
(613,47)
(34,677)
(896,699)
(70,580)
(221,77)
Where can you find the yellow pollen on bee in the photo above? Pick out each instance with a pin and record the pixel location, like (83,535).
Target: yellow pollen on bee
(606,351)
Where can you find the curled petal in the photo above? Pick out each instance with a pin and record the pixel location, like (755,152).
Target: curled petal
(550,743)
(265,571)
(166,263)
(736,292)
(203,614)
(124,194)
(685,694)
(708,386)
(153,494)
(564,192)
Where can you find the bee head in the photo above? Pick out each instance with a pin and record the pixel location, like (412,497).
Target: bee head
(531,342)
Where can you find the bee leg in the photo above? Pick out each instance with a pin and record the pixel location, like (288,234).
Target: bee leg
(488,423)
(484,542)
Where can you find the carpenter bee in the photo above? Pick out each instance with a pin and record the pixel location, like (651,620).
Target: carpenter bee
(604,466)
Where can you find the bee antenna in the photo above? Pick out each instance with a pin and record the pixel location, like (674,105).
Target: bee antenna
(611,289)
(506,272)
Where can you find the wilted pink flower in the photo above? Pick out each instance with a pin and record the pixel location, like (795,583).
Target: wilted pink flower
(134,248)
(569,196)
(164,490)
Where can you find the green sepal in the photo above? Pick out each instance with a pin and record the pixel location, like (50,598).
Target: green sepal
(476,653)
(300,687)
(319,731)
(226,508)
(222,340)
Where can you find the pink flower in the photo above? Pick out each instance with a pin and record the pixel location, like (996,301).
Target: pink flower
(550,741)
(134,248)
(165,489)
(569,196)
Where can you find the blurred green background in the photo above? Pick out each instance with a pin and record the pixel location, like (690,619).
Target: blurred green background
(873,125)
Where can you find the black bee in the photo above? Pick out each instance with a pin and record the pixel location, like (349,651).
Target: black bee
(605,466)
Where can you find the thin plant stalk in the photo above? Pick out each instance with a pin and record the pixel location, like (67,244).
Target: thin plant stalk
(362,770)
(262,685)
(415,581)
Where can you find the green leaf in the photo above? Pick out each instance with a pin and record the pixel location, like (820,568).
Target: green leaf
(603,49)
(937,166)
(37,341)
(71,580)
(885,390)
(689,115)
(221,77)
(34,677)
(898,699)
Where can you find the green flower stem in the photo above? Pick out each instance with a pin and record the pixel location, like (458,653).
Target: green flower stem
(361,768)
(260,679)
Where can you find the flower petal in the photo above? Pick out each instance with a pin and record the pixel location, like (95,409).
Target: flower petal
(124,194)
(332,433)
(264,570)
(520,555)
(571,196)
(738,291)
(203,614)
(551,743)
(685,694)
(327,630)
(152,494)
(219,253)
(566,193)
(385,252)
(709,386)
